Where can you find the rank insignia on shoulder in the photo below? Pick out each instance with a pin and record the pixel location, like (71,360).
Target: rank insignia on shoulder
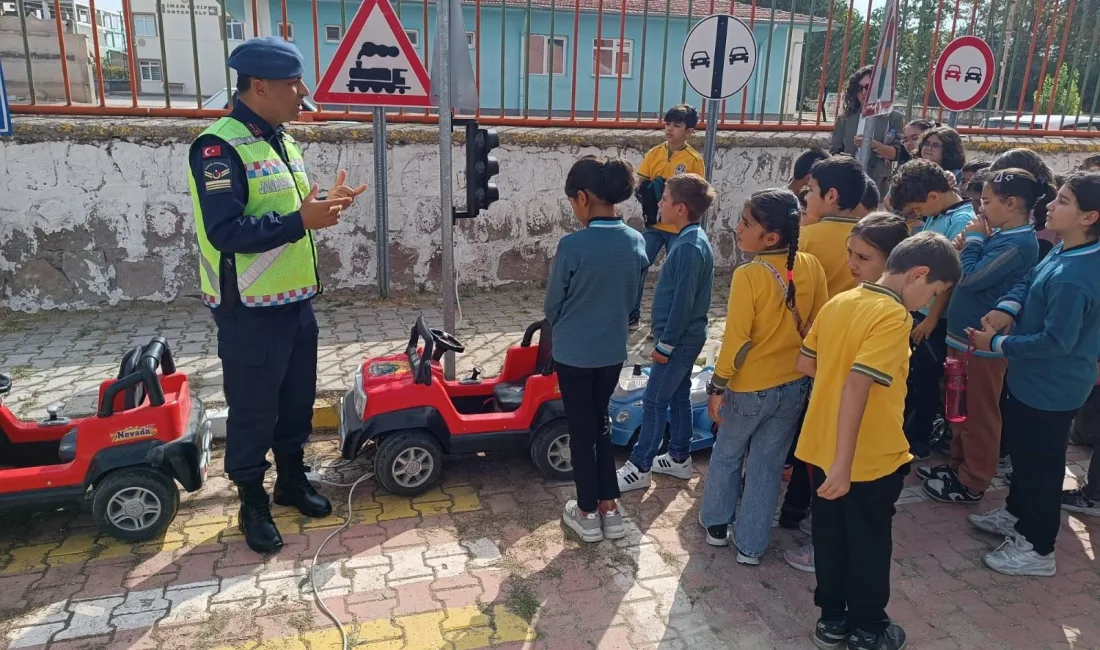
(216,176)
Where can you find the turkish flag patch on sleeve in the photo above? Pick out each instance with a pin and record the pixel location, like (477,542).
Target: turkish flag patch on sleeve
(213,151)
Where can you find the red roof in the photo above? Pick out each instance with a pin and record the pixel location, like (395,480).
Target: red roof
(699,8)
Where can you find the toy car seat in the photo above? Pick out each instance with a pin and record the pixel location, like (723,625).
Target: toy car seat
(509,394)
(5,385)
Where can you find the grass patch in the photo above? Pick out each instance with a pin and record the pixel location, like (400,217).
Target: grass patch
(21,372)
(522,601)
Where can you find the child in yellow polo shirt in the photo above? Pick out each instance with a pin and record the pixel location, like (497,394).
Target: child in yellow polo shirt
(858,354)
(837,186)
(672,157)
(757,393)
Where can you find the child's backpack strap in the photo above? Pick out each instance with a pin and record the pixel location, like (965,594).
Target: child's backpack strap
(802,329)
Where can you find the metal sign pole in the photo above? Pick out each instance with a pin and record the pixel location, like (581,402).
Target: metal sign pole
(446,212)
(864,155)
(381,204)
(713,106)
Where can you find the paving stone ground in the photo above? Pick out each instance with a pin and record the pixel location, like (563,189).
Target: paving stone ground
(483,561)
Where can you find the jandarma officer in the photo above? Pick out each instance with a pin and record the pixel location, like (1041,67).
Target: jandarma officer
(256,214)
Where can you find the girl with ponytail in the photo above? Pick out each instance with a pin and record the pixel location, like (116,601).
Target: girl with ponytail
(999,247)
(756,394)
(1031,162)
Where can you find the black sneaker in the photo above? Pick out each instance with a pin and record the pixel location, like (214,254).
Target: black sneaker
(935,471)
(716,535)
(829,635)
(949,489)
(1080,502)
(634,322)
(892,638)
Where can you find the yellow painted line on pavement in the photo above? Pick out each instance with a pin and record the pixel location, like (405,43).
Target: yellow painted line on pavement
(202,530)
(462,628)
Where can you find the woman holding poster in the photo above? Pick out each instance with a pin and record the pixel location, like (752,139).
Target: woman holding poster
(886,145)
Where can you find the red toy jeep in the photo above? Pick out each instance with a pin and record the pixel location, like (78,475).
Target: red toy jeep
(404,407)
(148,433)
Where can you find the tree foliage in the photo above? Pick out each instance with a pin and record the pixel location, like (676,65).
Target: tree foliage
(1026,36)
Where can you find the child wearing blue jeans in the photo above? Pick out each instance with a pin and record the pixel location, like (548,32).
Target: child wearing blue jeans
(589,294)
(757,393)
(680,304)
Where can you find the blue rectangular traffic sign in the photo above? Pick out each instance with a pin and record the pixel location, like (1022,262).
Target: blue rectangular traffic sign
(5,113)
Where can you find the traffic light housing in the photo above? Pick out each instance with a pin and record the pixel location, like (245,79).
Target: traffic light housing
(480,167)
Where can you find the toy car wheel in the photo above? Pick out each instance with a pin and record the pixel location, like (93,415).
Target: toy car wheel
(550,451)
(408,462)
(135,505)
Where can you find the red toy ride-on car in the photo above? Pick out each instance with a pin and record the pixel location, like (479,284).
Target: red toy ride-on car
(148,433)
(403,407)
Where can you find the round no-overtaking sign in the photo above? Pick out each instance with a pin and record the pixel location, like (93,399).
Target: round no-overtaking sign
(964,73)
(719,56)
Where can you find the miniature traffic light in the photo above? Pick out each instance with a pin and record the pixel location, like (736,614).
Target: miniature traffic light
(480,167)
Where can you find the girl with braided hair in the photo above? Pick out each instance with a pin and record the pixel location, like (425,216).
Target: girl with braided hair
(756,394)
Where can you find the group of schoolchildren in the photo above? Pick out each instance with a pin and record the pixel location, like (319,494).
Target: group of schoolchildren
(836,334)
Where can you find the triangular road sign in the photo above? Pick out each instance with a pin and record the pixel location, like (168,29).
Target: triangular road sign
(375,64)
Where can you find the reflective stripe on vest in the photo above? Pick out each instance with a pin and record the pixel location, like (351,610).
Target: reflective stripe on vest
(279,276)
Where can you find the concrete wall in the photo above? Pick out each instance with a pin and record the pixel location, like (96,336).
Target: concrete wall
(97,212)
(45,61)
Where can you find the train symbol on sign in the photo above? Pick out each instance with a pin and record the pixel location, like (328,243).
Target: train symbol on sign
(389,80)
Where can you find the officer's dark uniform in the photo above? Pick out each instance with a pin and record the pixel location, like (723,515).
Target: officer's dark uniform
(259,273)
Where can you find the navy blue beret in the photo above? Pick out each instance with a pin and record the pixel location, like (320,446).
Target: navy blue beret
(269,57)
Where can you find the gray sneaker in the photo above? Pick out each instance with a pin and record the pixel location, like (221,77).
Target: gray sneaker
(1017,557)
(801,558)
(612,521)
(807,525)
(998,522)
(585,525)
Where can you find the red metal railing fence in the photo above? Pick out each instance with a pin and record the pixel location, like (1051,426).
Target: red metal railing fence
(1050,92)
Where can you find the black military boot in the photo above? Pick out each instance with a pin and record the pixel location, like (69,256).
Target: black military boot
(255,518)
(292,488)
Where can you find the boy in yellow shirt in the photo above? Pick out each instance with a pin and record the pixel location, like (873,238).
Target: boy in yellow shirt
(858,354)
(672,157)
(837,186)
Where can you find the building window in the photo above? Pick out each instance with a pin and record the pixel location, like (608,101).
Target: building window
(101,19)
(286,31)
(83,16)
(234,29)
(471,40)
(150,70)
(605,57)
(539,57)
(333,33)
(414,37)
(145,25)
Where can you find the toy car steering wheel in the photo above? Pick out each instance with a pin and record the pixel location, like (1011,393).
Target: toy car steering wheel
(445,342)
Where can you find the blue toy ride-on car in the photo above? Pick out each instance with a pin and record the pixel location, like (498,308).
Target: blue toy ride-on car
(625,408)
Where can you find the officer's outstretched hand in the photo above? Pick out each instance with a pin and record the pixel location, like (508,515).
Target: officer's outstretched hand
(321,214)
(340,190)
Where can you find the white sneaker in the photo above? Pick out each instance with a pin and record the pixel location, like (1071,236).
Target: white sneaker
(747,559)
(1017,557)
(998,522)
(631,478)
(664,464)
